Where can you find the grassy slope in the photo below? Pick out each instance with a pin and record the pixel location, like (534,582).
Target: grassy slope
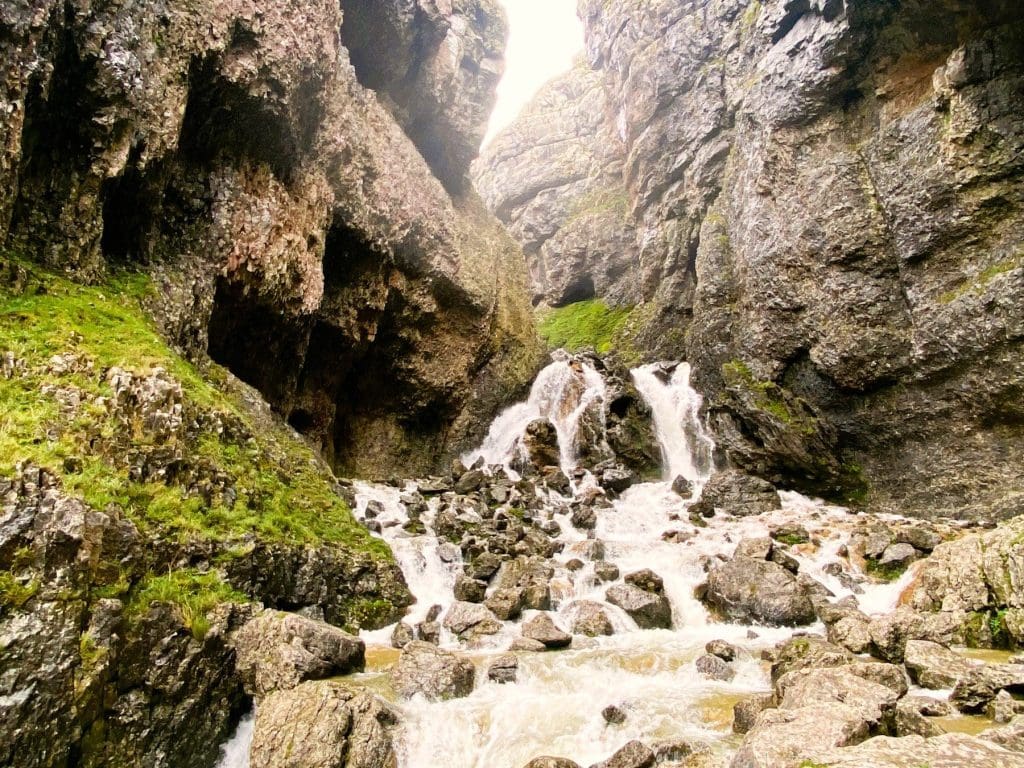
(284,494)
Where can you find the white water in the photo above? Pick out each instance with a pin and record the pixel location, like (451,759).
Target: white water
(235,751)
(555,707)
(562,393)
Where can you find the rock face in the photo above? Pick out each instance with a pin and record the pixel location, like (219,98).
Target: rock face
(323,724)
(303,207)
(554,178)
(826,218)
(427,670)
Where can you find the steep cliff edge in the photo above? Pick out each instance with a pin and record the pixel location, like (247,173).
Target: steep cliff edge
(295,231)
(828,201)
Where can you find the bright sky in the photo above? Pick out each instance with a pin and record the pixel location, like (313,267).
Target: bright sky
(545,38)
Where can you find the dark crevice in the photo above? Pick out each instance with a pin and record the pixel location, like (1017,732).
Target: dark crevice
(580,289)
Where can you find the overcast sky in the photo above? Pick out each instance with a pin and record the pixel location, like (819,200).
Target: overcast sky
(545,38)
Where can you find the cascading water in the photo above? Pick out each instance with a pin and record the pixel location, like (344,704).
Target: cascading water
(562,393)
(555,706)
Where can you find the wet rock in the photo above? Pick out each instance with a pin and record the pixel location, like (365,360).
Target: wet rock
(745,712)
(429,671)
(808,652)
(506,604)
(613,715)
(911,717)
(934,666)
(584,517)
(758,592)
(758,549)
(429,632)
(541,443)
(682,487)
(527,644)
(322,724)
(556,480)
(723,650)
(731,492)
(647,580)
(468,620)
(1003,708)
(473,480)
(898,556)
(606,571)
(852,632)
(648,610)
(551,762)
(615,480)
(402,635)
(543,629)
(949,750)
(714,668)
(503,669)
(470,590)
(977,687)
(484,566)
(278,650)
(590,619)
(920,536)
(533,576)
(634,755)
(780,556)
(791,534)
(589,549)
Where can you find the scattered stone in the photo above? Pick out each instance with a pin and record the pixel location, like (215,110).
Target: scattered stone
(590,619)
(584,517)
(648,610)
(682,487)
(402,635)
(613,715)
(506,604)
(606,571)
(468,620)
(647,580)
(504,669)
(551,762)
(714,668)
(723,650)
(484,566)
(473,480)
(897,556)
(634,755)
(470,590)
(429,671)
(976,688)
(758,549)
(543,629)
(527,644)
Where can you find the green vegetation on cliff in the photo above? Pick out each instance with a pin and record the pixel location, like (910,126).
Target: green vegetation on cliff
(220,470)
(583,324)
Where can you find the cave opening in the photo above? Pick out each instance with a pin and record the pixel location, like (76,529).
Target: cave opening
(581,289)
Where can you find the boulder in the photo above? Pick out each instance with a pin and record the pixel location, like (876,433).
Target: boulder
(551,762)
(613,715)
(934,666)
(322,724)
(635,754)
(503,669)
(277,651)
(911,719)
(541,443)
(758,592)
(759,548)
(424,669)
(606,571)
(732,492)
(402,635)
(506,604)
(468,620)
(898,556)
(590,619)
(745,712)
(951,750)
(781,738)
(808,688)
(1010,736)
(808,652)
(648,610)
(723,650)
(714,668)
(647,580)
(543,629)
(977,687)
(470,590)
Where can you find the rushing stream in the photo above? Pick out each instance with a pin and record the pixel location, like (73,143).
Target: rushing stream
(555,706)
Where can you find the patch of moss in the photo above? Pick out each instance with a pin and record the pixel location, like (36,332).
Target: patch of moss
(194,593)
(583,324)
(979,282)
(283,491)
(368,613)
(604,202)
(855,486)
(885,572)
(14,593)
(767,395)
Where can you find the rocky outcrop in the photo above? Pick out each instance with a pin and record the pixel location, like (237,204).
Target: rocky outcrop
(323,724)
(826,205)
(286,197)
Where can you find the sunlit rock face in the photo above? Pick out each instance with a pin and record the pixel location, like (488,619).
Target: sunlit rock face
(826,211)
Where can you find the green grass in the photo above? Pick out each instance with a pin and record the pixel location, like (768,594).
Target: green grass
(195,594)
(283,491)
(885,572)
(583,324)
(13,593)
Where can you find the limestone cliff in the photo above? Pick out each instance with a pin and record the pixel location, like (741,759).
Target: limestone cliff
(828,212)
(304,211)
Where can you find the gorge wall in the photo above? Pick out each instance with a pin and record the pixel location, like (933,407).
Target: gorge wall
(298,189)
(823,210)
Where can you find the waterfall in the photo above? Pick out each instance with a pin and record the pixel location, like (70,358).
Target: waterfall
(563,393)
(687,448)
(234,753)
